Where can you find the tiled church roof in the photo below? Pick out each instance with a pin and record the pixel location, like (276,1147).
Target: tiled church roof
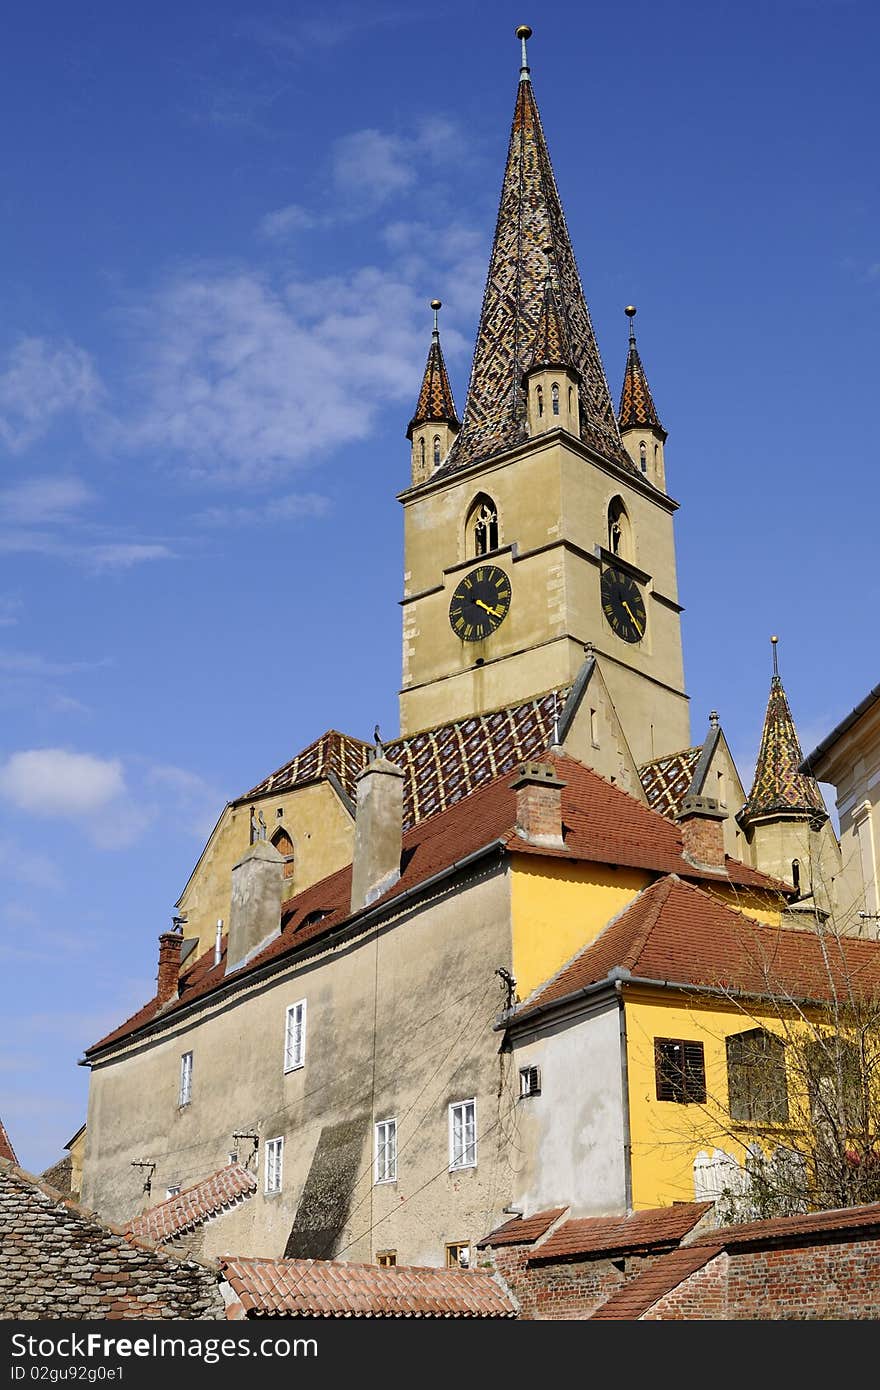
(666,780)
(637,407)
(441,765)
(435,398)
(778,785)
(335,1289)
(169,1219)
(552,347)
(530,230)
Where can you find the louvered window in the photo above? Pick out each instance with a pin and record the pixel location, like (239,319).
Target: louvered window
(680,1070)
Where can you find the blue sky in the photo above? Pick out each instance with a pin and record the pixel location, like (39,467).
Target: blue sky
(222,224)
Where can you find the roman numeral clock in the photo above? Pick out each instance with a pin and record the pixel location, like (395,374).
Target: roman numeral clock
(623,604)
(480,603)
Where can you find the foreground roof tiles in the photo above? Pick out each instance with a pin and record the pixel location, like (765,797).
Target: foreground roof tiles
(214,1194)
(634,1299)
(524,1230)
(780,1229)
(602,825)
(333,1289)
(610,1235)
(676,933)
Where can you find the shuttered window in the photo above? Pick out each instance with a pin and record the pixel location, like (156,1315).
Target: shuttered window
(680,1070)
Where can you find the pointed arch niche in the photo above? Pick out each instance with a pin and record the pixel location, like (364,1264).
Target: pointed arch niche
(481,530)
(620,532)
(284,845)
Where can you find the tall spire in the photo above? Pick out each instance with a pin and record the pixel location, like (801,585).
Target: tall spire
(551,347)
(778,786)
(530,219)
(435,401)
(637,409)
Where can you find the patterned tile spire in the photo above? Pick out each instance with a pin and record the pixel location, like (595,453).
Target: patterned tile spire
(778,785)
(435,398)
(552,347)
(530,220)
(637,409)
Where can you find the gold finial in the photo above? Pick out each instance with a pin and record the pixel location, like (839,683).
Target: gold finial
(630,312)
(524,32)
(775,641)
(436,305)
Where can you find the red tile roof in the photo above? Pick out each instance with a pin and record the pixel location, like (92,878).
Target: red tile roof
(214,1194)
(523,1230)
(782,1228)
(333,1289)
(635,1298)
(675,932)
(603,825)
(613,1235)
(6,1149)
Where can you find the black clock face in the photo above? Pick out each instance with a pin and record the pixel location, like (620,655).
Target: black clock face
(623,605)
(480,602)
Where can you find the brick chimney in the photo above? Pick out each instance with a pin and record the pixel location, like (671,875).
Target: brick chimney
(700,820)
(539,805)
(170,943)
(378,830)
(255,909)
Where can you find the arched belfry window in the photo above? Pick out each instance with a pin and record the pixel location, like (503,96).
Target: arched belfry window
(422,450)
(539,393)
(436,451)
(554,391)
(643,456)
(619,529)
(481,529)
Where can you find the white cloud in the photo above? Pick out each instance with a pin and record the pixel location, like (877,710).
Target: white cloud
(372,166)
(40,382)
(195,803)
(121,555)
(283,221)
(10,607)
(40,501)
(294,506)
(58,783)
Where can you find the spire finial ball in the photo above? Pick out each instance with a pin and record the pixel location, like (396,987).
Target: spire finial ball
(774,640)
(436,304)
(630,310)
(523,32)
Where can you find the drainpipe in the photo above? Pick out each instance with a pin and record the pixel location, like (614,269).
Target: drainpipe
(624,1085)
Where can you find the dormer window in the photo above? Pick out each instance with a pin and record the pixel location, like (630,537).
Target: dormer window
(554,390)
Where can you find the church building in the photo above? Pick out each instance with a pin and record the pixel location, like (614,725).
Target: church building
(415,985)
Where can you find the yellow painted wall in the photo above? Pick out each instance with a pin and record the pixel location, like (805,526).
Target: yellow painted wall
(558,907)
(667,1135)
(764,907)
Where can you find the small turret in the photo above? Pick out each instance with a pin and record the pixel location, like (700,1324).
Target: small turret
(435,423)
(640,428)
(552,382)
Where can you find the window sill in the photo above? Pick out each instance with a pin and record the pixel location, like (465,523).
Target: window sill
(297,1066)
(271,1195)
(385,1182)
(462,1167)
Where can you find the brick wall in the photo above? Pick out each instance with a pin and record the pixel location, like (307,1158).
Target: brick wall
(702,1297)
(58,1261)
(570,1289)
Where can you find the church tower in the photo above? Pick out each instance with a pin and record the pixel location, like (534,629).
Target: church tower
(784,820)
(538,533)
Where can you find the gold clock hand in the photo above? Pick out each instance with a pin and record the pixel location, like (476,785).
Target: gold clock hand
(492,611)
(633,616)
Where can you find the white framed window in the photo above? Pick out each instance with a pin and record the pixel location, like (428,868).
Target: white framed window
(463,1134)
(529,1081)
(274,1162)
(295,1036)
(172,1191)
(184,1094)
(386,1151)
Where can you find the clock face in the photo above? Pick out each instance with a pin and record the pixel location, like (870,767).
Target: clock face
(480,603)
(623,605)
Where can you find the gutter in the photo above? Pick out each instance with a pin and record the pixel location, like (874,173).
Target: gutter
(351,925)
(624,1095)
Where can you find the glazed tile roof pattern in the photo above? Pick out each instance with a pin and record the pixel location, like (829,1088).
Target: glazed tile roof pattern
(602,825)
(666,780)
(6,1149)
(674,931)
(441,765)
(333,752)
(778,785)
(552,347)
(635,1298)
(435,397)
(637,407)
(612,1235)
(523,1230)
(217,1193)
(333,1289)
(530,225)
